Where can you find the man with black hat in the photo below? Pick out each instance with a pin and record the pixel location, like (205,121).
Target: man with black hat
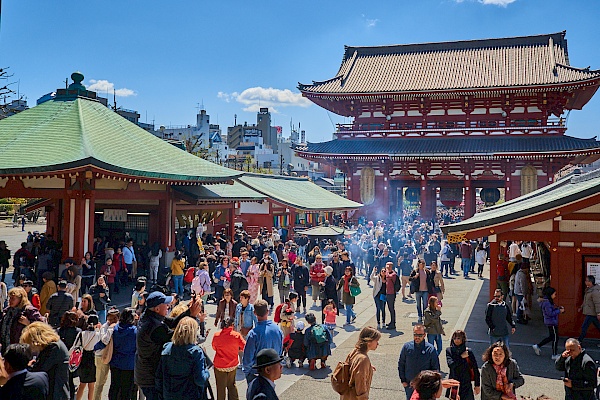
(154,330)
(58,304)
(268,364)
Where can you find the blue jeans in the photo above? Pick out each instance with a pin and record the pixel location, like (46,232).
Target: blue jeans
(421,298)
(349,312)
(466,266)
(178,285)
(445,268)
(409,391)
(589,319)
(505,339)
(380,306)
(101,316)
(436,341)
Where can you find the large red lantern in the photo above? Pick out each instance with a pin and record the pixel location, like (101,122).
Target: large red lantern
(451,197)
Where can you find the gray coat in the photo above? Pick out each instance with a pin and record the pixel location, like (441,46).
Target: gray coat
(591,301)
(488,379)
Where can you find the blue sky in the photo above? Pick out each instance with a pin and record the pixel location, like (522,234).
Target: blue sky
(234,56)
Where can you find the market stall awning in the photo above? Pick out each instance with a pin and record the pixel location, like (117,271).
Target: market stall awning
(326,230)
(299,193)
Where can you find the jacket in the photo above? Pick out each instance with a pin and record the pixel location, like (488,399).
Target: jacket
(347,298)
(261,389)
(361,375)
(581,370)
(99,302)
(317,273)
(27,386)
(54,360)
(301,278)
(227,344)
(250,319)
(550,312)
(415,358)
(488,379)
(460,368)
(433,322)
(316,350)
(266,277)
(123,338)
(48,290)
(16,327)
(415,280)
(220,315)
(58,304)
(591,301)
(266,334)
(153,332)
(497,315)
(181,372)
(522,283)
(330,290)
(293,344)
(437,281)
(377,283)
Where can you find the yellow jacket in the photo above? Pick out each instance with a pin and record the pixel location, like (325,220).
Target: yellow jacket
(48,290)
(177,267)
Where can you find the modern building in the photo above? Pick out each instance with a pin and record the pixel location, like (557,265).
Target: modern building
(261,133)
(12,108)
(452,118)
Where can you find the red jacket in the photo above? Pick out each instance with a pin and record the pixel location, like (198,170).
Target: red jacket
(227,343)
(119,262)
(109,273)
(317,269)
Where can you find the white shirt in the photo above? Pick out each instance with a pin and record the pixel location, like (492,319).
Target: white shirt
(526,251)
(513,250)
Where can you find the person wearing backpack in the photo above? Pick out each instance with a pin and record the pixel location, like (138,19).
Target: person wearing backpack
(345,284)
(317,341)
(355,382)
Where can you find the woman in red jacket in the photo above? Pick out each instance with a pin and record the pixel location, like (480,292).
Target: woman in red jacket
(121,268)
(227,343)
(317,275)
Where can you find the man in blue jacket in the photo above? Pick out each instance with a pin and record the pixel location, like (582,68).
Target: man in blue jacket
(416,356)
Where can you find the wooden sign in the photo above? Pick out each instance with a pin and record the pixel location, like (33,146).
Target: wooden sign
(115,215)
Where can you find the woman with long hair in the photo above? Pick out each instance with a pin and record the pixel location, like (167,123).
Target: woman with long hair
(463,366)
(312,255)
(226,307)
(102,369)
(433,323)
(500,374)
(73,283)
(53,358)
(16,316)
(154,257)
(347,282)
(361,370)
(86,308)
(123,358)
(252,276)
(379,294)
(182,372)
(551,312)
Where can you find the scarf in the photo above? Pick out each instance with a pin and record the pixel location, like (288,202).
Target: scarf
(12,314)
(502,381)
(347,283)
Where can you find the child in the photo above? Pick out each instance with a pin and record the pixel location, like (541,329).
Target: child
(293,345)
(551,312)
(433,324)
(330,313)
(286,316)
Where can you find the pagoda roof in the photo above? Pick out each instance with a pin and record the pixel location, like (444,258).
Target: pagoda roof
(513,62)
(73,132)
(449,146)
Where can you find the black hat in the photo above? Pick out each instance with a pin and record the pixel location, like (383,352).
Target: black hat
(267,357)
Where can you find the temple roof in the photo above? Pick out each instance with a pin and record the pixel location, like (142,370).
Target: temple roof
(450,146)
(73,132)
(488,63)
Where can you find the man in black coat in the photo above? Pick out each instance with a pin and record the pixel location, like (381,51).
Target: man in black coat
(580,371)
(268,364)
(23,384)
(58,304)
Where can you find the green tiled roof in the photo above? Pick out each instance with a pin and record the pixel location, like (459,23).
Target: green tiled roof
(222,192)
(562,192)
(75,132)
(299,193)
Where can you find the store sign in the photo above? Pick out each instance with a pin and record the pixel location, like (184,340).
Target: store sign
(593,268)
(115,215)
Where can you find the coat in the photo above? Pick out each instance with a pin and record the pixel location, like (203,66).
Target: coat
(581,370)
(433,322)
(460,369)
(54,360)
(48,290)
(550,312)
(181,372)
(415,358)
(488,379)
(227,344)
(591,301)
(260,389)
(347,298)
(27,386)
(123,338)
(361,375)
(220,315)
(266,277)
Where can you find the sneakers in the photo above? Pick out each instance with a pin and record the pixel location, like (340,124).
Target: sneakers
(537,350)
(288,362)
(555,357)
(378,325)
(304,310)
(353,318)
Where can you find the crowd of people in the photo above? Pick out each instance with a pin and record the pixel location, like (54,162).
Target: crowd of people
(154,348)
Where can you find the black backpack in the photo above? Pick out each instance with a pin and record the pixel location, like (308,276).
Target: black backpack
(397,284)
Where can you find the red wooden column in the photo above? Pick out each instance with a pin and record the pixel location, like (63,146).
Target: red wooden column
(469,199)
(231,221)
(427,200)
(494,251)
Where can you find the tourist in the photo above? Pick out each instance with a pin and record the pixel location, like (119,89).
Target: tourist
(522,290)
(312,255)
(502,275)
(286,314)
(123,357)
(428,385)
(420,284)
(465,255)
(514,250)
(69,334)
(391,283)
(293,346)
(580,378)
(130,259)
(253,278)
(181,372)
(100,296)
(138,294)
(330,311)
(86,308)
(48,289)
(590,306)
(16,317)
(266,273)
(4,258)
(59,303)
(227,345)
(238,280)
(109,272)
(406,257)
(433,324)
(551,312)
(328,291)
(32,294)
(284,280)
(266,334)
(177,268)
(301,276)
(22,384)
(88,272)
(463,366)
(105,334)
(416,355)
(89,336)
(526,251)
(120,269)
(317,342)
(500,374)
(203,286)
(361,369)
(226,307)
(268,365)
(317,277)
(347,282)
(219,275)
(154,330)
(154,256)
(480,259)
(499,320)
(53,358)
(245,319)
(379,295)
(446,258)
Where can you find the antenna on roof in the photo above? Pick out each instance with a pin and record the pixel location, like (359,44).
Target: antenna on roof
(114,100)
(66,83)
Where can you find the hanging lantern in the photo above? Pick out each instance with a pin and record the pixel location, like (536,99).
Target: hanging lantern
(490,196)
(412,195)
(451,197)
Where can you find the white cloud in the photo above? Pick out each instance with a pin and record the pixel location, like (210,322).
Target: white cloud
(102,85)
(501,3)
(372,22)
(256,97)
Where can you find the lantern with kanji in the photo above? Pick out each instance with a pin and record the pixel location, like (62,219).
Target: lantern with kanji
(412,195)
(490,196)
(451,197)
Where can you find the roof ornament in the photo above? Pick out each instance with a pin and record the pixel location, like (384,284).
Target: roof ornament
(77,79)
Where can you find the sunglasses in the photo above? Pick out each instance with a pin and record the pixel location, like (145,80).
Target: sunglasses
(418,334)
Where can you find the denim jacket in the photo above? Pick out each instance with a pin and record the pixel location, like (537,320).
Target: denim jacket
(250,319)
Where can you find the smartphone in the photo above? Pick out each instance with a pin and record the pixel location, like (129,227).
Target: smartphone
(453,393)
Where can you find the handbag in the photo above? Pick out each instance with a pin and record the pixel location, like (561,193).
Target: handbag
(75,354)
(108,352)
(382,297)
(354,291)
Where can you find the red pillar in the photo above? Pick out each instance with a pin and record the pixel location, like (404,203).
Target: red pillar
(231,221)
(469,199)
(494,251)
(427,200)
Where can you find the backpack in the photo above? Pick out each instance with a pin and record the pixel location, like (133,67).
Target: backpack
(243,283)
(277,316)
(320,334)
(501,271)
(397,284)
(340,378)
(189,275)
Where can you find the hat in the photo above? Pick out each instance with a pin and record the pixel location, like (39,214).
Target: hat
(158,298)
(267,357)
(28,283)
(300,326)
(328,270)
(62,284)
(266,250)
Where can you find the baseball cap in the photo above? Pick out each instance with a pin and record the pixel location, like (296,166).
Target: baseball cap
(62,284)
(157,298)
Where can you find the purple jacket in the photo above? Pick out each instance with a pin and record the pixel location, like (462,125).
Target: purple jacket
(550,312)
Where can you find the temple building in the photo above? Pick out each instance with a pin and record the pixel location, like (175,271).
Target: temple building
(452,119)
